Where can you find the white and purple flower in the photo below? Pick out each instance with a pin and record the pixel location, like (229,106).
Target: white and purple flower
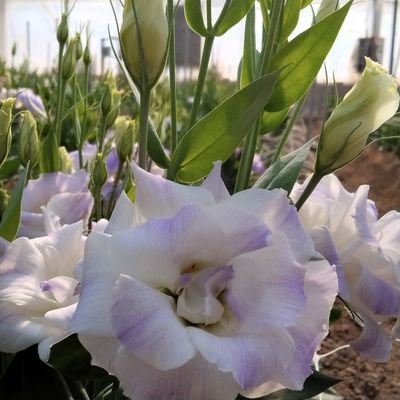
(194,294)
(39,289)
(53,200)
(366,251)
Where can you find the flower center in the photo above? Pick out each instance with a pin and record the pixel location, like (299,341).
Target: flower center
(199,293)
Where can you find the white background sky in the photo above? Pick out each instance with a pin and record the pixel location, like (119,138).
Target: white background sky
(43,15)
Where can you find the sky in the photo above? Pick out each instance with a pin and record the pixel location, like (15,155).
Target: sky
(36,20)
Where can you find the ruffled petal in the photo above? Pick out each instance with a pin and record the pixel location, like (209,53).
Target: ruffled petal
(157,197)
(123,216)
(215,185)
(145,322)
(196,380)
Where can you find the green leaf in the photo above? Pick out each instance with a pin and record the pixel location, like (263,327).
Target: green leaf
(216,136)
(302,58)
(194,17)
(271,120)
(12,215)
(306,3)
(284,172)
(232,12)
(247,68)
(9,168)
(291,15)
(314,385)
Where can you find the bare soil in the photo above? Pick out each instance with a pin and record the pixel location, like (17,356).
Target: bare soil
(361,378)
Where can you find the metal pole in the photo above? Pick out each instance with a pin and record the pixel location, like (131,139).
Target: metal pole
(394,26)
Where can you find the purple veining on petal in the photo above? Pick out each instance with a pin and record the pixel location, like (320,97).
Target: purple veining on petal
(380,297)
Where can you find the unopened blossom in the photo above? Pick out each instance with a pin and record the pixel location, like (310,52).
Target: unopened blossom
(191,293)
(369,104)
(32,102)
(366,251)
(38,289)
(53,200)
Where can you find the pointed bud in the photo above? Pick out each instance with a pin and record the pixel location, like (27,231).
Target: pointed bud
(87,56)
(29,148)
(65,160)
(78,47)
(62,30)
(124,137)
(6,107)
(99,174)
(69,61)
(369,104)
(106,101)
(144,40)
(113,114)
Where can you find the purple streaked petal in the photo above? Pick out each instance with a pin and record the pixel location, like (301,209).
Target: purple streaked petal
(157,197)
(374,342)
(267,289)
(32,102)
(377,295)
(196,380)
(144,320)
(273,208)
(324,244)
(215,184)
(252,359)
(61,288)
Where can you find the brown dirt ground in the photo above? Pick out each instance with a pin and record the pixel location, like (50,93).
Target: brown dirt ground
(363,379)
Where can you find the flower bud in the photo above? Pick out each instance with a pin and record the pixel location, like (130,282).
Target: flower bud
(106,101)
(144,40)
(69,61)
(5,128)
(124,137)
(87,56)
(99,174)
(113,114)
(29,148)
(65,160)
(369,104)
(14,50)
(78,47)
(62,30)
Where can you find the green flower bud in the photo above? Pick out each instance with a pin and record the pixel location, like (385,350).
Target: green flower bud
(5,128)
(124,137)
(29,147)
(62,30)
(78,47)
(65,159)
(14,50)
(144,44)
(99,174)
(4,199)
(113,114)
(106,101)
(69,61)
(87,56)
(369,104)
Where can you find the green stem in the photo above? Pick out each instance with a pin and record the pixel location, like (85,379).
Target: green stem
(246,159)
(102,133)
(98,203)
(288,129)
(308,190)
(60,94)
(205,59)
(143,126)
(172,78)
(85,108)
(250,144)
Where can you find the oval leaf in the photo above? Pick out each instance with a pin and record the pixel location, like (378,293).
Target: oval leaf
(12,215)
(283,173)
(232,12)
(216,136)
(302,58)
(194,17)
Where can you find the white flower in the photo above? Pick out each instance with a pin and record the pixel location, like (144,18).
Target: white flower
(38,289)
(366,251)
(53,200)
(193,294)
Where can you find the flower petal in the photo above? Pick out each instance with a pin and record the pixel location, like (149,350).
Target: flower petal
(196,380)
(214,183)
(123,216)
(157,197)
(145,322)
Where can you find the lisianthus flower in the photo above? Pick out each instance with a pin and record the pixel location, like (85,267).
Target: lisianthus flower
(193,294)
(32,102)
(53,200)
(38,289)
(365,250)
